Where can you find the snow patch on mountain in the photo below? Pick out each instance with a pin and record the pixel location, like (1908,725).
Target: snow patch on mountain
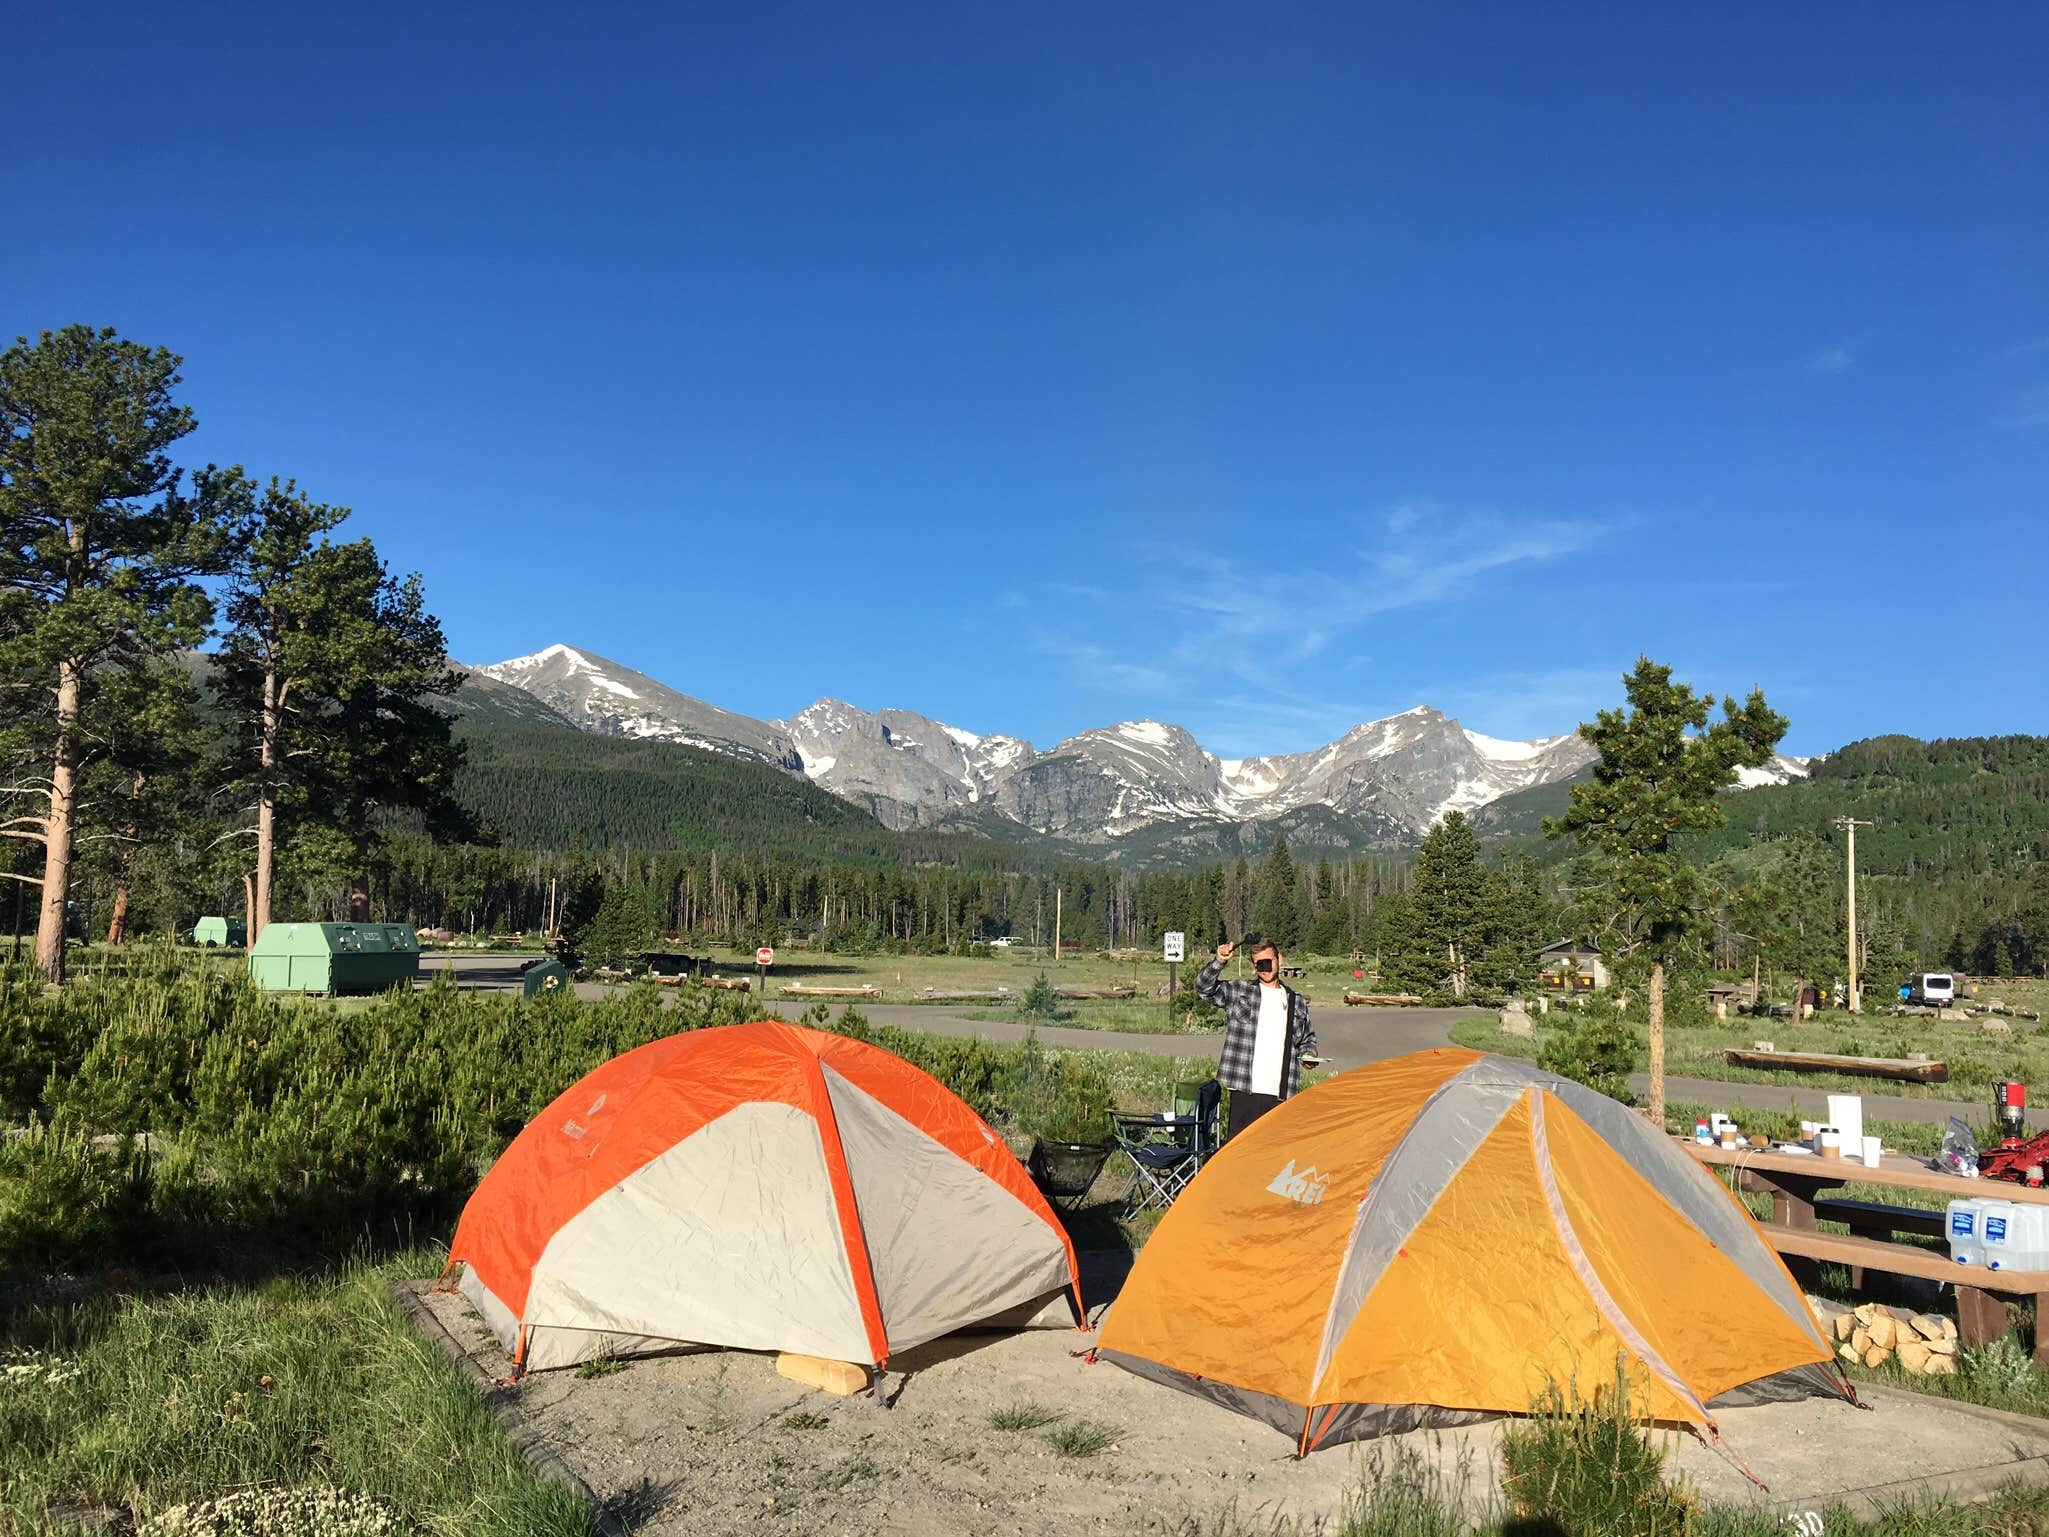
(1781,770)
(1495,750)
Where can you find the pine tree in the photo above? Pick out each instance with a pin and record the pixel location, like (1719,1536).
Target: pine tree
(1451,901)
(1661,770)
(1273,908)
(329,668)
(99,548)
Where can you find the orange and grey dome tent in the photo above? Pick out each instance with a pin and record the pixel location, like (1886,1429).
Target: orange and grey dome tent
(761,1187)
(1438,1239)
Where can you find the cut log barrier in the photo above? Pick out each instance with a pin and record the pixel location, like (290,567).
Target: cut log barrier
(969,994)
(1899,1069)
(728,984)
(799,990)
(1382,1000)
(1078,994)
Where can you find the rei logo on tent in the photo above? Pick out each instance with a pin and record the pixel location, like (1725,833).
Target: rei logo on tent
(1306,1187)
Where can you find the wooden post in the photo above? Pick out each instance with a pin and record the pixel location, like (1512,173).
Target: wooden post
(1850,826)
(1657,1044)
(1059,896)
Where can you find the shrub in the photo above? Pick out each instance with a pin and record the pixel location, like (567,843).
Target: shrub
(1597,1049)
(1590,1467)
(1039,1002)
(63,1199)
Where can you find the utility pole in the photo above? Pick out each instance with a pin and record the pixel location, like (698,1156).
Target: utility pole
(1059,895)
(1850,826)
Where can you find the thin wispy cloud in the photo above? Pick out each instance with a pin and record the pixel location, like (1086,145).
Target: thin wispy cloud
(1831,360)
(2031,349)
(1094,666)
(1204,619)
(2028,413)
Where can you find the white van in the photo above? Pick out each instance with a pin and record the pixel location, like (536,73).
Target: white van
(1935,987)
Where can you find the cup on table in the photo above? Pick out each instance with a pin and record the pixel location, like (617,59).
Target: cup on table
(1871,1152)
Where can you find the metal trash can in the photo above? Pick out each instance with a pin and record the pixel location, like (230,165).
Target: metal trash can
(214,930)
(543,979)
(334,958)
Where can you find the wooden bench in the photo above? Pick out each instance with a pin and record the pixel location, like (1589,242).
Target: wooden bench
(1982,1294)
(1875,1219)
(1796,1183)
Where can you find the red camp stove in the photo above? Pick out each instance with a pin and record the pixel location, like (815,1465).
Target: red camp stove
(2019,1157)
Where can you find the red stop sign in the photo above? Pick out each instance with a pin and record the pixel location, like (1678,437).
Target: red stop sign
(764,956)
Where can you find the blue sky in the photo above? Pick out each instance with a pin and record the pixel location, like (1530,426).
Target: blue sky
(1260,368)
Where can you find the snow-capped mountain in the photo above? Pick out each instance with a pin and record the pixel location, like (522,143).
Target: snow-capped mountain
(897,763)
(1393,777)
(602,697)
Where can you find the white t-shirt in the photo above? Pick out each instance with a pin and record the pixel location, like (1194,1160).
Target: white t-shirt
(1270,1044)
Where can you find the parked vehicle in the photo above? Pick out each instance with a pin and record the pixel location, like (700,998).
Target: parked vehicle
(1936,988)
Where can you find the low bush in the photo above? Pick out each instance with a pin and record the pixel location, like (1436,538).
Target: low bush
(178,1106)
(1599,1048)
(1590,1466)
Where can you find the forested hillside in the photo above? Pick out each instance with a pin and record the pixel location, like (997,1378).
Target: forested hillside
(544,787)
(1956,806)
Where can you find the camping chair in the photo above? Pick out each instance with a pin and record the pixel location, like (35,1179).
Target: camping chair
(1166,1151)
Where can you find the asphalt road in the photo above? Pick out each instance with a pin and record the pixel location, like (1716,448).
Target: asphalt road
(1347,1038)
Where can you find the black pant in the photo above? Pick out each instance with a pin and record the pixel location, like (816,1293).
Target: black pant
(1247,1107)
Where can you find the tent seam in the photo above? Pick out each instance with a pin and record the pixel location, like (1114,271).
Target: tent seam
(1327,1350)
(1576,1255)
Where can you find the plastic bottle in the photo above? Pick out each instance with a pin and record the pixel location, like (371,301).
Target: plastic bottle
(1701,1134)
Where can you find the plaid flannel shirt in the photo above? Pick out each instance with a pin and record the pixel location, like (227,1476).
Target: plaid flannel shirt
(1240,1003)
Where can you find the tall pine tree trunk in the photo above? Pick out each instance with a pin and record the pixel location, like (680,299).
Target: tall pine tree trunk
(59,830)
(266,805)
(1657,1012)
(117,926)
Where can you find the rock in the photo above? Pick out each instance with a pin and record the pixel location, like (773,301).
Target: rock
(1515,1022)
(1996,1027)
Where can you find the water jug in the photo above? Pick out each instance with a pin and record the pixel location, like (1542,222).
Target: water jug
(1982,1231)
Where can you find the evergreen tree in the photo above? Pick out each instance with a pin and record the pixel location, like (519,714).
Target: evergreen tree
(1273,909)
(1661,770)
(99,548)
(1450,908)
(328,668)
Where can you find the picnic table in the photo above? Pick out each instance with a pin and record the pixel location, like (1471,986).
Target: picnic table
(1796,1184)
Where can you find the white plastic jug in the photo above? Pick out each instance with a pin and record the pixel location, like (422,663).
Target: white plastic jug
(2027,1238)
(1982,1232)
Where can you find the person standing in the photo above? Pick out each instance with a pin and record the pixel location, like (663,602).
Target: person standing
(1266,1033)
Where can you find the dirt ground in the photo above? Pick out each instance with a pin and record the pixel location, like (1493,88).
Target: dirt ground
(717,1442)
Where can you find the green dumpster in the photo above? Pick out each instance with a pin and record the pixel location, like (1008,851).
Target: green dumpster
(334,958)
(216,930)
(544,979)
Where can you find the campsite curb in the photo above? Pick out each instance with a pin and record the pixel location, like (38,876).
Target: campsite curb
(1968,1485)
(497,1398)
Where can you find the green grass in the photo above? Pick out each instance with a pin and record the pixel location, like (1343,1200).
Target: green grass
(600,1366)
(186,1395)
(1080,1438)
(1025,1416)
(1975,1059)
(805,1419)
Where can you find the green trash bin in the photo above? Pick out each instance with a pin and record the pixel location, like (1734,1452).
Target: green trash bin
(543,979)
(215,930)
(334,958)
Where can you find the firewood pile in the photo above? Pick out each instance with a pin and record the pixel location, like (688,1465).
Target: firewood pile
(1924,1344)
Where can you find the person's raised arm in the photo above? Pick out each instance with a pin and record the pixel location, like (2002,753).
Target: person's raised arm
(1207,987)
